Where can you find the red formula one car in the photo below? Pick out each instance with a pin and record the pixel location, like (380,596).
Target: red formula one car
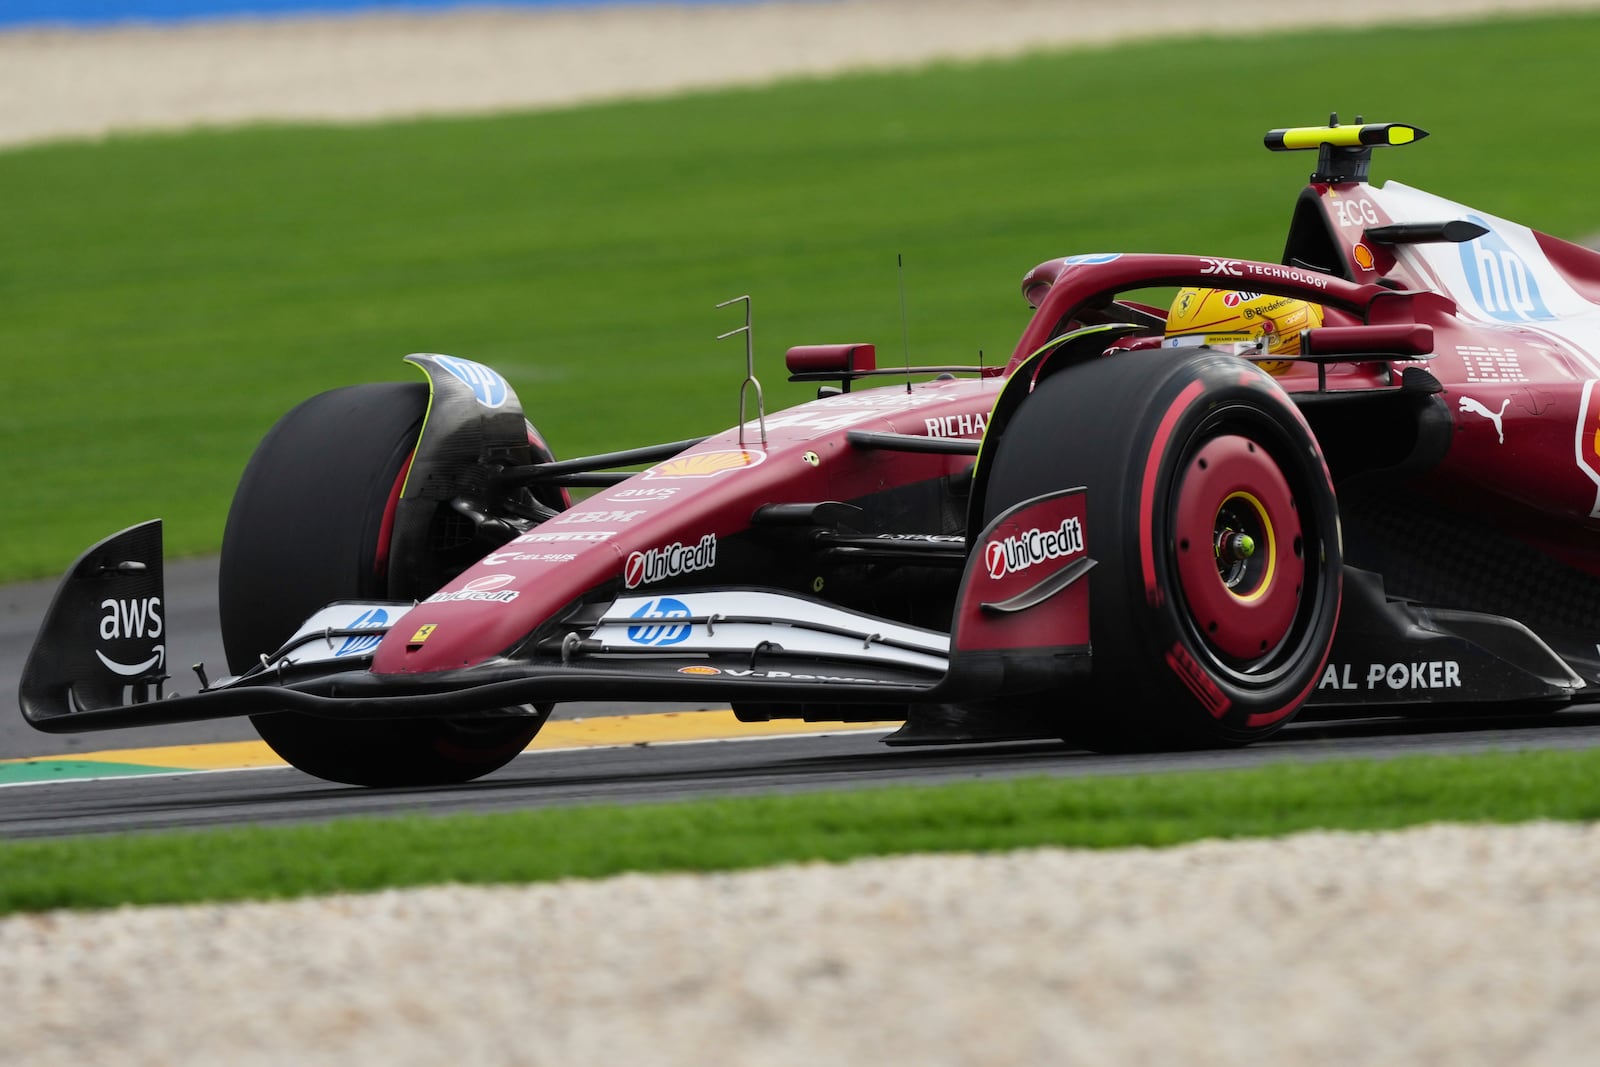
(1143,531)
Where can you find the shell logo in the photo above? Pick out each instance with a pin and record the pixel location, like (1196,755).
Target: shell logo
(707,464)
(699,670)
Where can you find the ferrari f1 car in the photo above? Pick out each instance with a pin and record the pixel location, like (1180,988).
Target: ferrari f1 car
(1140,532)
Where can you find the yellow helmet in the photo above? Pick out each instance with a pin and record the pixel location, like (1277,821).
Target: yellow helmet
(1220,316)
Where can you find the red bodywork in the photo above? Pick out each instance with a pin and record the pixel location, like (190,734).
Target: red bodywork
(710,490)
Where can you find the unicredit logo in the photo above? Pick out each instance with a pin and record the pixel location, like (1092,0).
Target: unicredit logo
(490,589)
(1018,553)
(677,558)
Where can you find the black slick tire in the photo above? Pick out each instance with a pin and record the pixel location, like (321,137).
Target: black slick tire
(1214,525)
(307,527)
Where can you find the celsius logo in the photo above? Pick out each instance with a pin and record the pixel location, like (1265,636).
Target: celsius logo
(500,559)
(1501,281)
(487,386)
(1018,553)
(376,619)
(132,619)
(677,558)
(656,633)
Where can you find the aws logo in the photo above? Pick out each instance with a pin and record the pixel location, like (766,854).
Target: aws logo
(1502,282)
(139,620)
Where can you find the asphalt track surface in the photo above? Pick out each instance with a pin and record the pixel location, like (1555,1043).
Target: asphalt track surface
(681,771)
(625,773)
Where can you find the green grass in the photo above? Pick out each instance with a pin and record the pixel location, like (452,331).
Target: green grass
(163,299)
(588,842)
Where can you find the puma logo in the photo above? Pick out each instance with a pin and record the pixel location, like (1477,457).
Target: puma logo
(1469,404)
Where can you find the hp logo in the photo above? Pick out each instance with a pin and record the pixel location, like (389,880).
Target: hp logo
(1501,281)
(487,386)
(376,619)
(657,633)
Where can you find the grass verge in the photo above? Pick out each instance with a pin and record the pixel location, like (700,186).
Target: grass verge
(166,298)
(587,842)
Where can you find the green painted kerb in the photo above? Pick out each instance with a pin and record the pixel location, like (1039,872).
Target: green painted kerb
(44,770)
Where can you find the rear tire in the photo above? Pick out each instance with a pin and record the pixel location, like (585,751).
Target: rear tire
(309,525)
(1214,525)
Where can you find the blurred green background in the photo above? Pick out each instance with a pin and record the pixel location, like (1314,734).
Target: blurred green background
(163,299)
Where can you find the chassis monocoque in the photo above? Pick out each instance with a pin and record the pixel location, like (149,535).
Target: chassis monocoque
(1119,538)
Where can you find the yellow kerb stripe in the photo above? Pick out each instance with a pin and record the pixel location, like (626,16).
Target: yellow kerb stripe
(600,732)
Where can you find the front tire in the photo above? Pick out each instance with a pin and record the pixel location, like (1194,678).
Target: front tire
(1214,525)
(309,525)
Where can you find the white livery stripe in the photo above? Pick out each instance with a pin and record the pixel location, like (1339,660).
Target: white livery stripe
(1502,280)
(740,620)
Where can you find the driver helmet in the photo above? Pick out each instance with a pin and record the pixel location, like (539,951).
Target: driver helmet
(1224,316)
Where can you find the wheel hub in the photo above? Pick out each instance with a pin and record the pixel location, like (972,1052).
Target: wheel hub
(1243,594)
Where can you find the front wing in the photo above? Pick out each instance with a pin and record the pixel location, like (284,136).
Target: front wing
(99,661)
